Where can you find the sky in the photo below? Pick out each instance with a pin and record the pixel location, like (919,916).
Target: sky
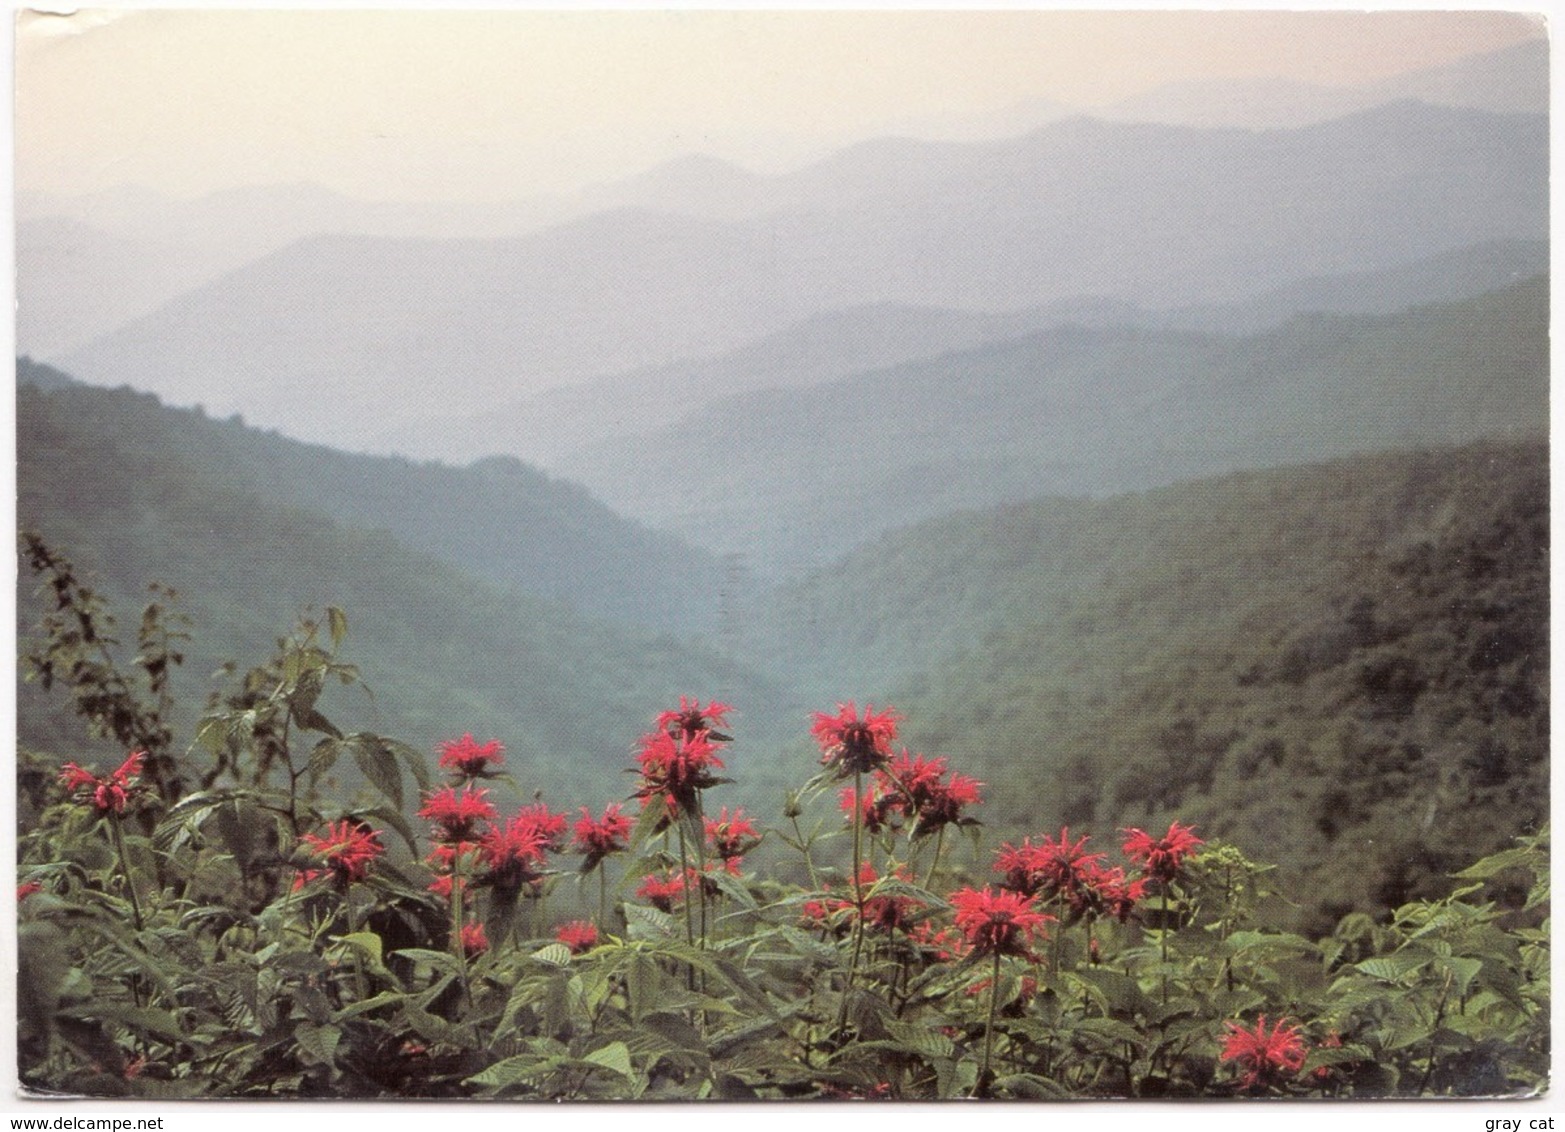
(501,104)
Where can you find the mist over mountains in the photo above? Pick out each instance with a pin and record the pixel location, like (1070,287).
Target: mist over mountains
(336,338)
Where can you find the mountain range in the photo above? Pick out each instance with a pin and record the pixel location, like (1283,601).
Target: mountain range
(806,475)
(338,338)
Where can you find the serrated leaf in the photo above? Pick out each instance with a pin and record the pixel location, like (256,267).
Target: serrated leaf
(554,954)
(926,1043)
(644,922)
(1392,968)
(320,1042)
(379,766)
(614,1056)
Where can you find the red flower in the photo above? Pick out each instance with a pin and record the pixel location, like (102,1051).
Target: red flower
(943,944)
(578,935)
(692,719)
(1002,923)
(457,816)
(1106,892)
(23,891)
(474,940)
(445,860)
(661,892)
(731,837)
(597,839)
(677,769)
(927,794)
(853,745)
(887,913)
(876,808)
(551,827)
(514,855)
(1161,859)
(1266,1058)
(469,758)
(347,849)
(110,794)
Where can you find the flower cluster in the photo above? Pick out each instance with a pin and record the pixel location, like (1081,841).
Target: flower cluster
(691,719)
(467,758)
(1266,1057)
(601,837)
(580,936)
(346,851)
(1161,859)
(110,794)
(915,788)
(1064,872)
(850,745)
(675,769)
(456,817)
(474,940)
(731,836)
(997,923)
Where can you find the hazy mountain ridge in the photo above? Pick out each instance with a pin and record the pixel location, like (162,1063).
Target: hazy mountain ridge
(499,519)
(1077,411)
(1205,216)
(838,344)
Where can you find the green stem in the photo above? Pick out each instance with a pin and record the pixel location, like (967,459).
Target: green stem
(353,929)
(981,1086)
(118,836)
(1162,938)
(603,897)
(858,896)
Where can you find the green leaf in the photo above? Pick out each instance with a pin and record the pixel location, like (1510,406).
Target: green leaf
(1393,968)
(384,998)
(644,922)
(379,765)
(615,1056)
(928,1044)
(366,942)
(554,954)
(320,1042)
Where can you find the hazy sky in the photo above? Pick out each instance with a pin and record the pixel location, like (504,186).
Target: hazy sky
(496,104)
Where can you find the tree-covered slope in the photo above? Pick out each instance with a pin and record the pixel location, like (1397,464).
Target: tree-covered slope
(124,487)
(497,518)
(1341,666)
(806,475)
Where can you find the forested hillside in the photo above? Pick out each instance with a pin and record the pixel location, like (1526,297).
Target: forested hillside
(126,489)
(1341,667)
(498,518)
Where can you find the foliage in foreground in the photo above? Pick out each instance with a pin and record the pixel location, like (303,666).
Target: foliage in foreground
(253,937)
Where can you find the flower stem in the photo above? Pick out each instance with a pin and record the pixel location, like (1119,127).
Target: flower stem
(118,836)
(981,1086)
(858,897)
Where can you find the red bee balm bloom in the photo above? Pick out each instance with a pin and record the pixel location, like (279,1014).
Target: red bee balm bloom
(853,745)
(578,935)
(1162,859)
(514,855)
(875,809)
(597,839)
(23,891)
(922,782)
(346,849)
(469,758)
(677,770)
(456,816)
(551,827)
(474,941)
(108,795)
(1002,923)
(1266,1058)
(661,892)
(692,719)
(731,837)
